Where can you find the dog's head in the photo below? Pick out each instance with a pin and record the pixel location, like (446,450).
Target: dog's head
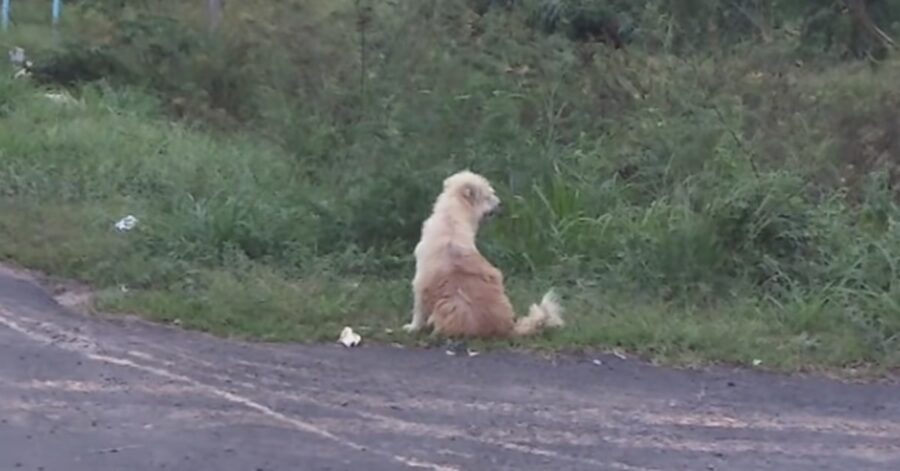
(475,192)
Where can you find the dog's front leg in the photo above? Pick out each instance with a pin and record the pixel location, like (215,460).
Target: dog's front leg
(418,316)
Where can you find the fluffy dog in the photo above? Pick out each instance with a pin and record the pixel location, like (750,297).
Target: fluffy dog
(455,289)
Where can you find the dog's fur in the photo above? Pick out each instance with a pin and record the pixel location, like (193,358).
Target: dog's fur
(455,289)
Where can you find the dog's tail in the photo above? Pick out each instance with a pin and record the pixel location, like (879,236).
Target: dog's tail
(547,314)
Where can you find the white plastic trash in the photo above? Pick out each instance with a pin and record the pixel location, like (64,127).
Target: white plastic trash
(17,56)
(349,338)
(126,224)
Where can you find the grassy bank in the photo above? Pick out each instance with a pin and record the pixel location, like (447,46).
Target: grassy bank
(727,205)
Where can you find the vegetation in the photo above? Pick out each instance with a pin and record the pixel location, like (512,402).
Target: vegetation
(703,180)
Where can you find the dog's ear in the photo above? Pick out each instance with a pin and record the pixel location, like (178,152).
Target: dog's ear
(470,193)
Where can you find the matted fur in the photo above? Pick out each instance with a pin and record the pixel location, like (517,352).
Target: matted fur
(455,289)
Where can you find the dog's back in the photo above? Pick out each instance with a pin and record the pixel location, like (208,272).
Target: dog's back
(465,297)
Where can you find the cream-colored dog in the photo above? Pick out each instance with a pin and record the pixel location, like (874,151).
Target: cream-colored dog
(455,289)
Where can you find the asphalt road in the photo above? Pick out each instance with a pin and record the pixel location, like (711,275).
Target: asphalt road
(88,393)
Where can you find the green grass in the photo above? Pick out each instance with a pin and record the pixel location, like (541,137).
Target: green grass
(692,208)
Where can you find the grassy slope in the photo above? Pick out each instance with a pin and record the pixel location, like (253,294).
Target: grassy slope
(109,144)
(676,264)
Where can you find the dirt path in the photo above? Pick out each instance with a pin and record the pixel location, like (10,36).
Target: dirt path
(90,394)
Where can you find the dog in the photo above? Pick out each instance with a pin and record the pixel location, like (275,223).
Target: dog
(456,291)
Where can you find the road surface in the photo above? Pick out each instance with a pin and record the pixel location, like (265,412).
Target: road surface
(88,393)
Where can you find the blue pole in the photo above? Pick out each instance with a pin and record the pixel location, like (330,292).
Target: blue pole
(5,19)
(57,9)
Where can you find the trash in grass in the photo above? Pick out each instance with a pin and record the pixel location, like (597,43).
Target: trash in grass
(349,338)
(19,62)
(455,348)
(60,98)
(757,362)
(17,56)
(469,352)
(126,224)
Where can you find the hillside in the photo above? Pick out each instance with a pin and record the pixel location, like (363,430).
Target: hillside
(700,183)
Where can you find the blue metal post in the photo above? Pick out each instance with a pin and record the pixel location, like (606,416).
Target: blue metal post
(57,10)
(214,12)
(5,13)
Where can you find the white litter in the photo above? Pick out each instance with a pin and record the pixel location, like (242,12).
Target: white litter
(469,352)
(349,338)
(598,362)
(20,63)
(126,224)
(61,98)
(757,362)
(17,56)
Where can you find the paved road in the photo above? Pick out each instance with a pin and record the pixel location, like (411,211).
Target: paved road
(84,393)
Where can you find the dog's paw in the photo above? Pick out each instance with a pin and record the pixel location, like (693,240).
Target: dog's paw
(411,327)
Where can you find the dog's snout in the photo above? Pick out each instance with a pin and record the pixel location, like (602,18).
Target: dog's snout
(498,209)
